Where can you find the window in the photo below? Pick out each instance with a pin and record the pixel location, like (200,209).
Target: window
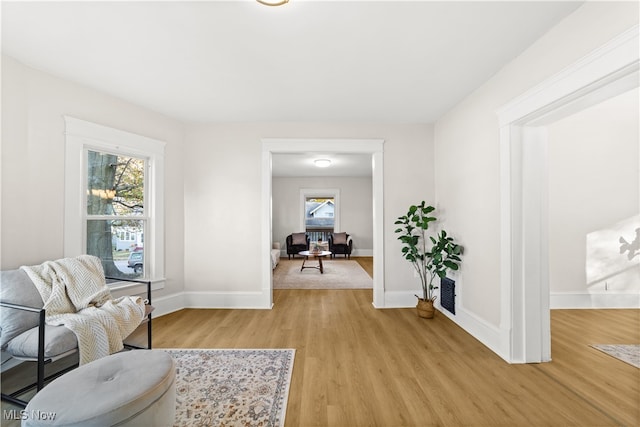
(114,198)
(319,217)
(320,213)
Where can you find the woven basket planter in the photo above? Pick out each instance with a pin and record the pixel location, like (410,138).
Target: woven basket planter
(425,309)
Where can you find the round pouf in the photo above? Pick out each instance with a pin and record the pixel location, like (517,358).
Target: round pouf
(131,388)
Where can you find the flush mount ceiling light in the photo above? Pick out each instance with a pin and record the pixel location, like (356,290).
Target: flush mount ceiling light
(273,2)
(322,163)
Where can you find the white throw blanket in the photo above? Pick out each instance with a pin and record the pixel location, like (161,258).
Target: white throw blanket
(76,295)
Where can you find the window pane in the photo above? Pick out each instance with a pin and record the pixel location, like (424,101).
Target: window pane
(120,257)
(115,184)
(319,217)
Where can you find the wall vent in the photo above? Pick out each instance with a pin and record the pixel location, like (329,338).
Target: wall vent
(448,294)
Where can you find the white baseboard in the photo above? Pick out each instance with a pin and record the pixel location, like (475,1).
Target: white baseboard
(489,335)
(238,300)
(168,304)
(217,300)
(400,299)
(362,252)
(609,299)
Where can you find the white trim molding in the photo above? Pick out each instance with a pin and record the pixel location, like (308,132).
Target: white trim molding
(374,147)
(616,61)
(233,300)
(488,334)
(81,135)
(209,300)
(608,71)
(480,329)
(604,299)
(168,304)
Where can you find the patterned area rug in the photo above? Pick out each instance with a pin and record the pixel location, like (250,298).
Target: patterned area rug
(338,274)
(232,387)
(627,353)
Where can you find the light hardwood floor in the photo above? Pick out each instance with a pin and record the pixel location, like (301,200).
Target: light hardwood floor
(359,366)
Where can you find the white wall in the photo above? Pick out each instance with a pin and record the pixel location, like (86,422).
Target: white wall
(33,146)
(594,198)
(356,203)
(223,193)
(213,183)
(467,164)
(213,171)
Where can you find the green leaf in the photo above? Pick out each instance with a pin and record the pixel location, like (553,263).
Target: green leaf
(429,261)
(451,265)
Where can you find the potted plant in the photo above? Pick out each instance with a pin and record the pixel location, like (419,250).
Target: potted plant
(431,256)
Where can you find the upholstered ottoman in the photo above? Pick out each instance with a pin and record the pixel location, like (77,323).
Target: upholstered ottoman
(130,388)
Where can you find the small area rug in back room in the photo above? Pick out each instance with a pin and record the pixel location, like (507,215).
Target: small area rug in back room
(338,274)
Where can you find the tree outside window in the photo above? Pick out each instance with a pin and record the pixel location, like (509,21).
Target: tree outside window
(114,200)
(115,216)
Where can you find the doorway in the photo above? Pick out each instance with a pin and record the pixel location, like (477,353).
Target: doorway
(372,147)
(525,293)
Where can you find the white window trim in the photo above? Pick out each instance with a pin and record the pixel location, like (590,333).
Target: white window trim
(81,135)
(320,192)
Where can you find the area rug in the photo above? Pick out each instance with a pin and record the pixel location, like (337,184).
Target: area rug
(338,274)
(232,387)
(628,353)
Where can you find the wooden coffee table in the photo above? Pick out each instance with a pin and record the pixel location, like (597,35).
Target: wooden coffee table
(318,255)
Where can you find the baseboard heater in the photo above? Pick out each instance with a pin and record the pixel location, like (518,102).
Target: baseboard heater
(448,294)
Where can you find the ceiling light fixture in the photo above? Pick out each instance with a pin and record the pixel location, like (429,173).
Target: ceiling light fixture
(322,163)
(273,2)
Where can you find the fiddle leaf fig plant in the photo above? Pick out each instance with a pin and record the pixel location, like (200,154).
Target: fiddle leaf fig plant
(430,256)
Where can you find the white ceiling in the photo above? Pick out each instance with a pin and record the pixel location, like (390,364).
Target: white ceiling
(310,61)
(297,165)
(307,61)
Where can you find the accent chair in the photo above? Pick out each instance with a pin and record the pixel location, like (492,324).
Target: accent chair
(340,243)
(297,242)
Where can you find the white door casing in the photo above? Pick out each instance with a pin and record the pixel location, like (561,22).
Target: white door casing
(374,147)
(606,72)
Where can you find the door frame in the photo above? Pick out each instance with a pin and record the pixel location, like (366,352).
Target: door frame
(374,147)
(525,308)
